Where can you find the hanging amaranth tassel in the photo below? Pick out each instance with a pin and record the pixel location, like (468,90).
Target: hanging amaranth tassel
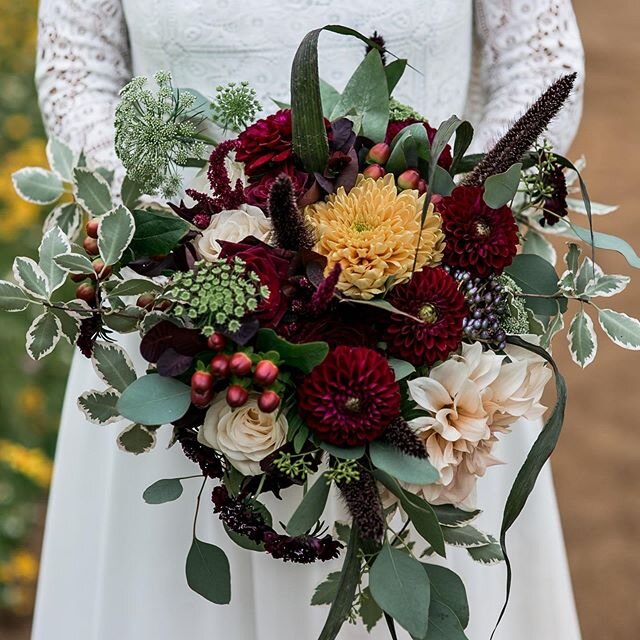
(365,505)
(290,229)
(524,133)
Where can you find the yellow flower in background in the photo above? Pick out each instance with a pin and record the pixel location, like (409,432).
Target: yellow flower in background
(31,463)
(17,126)
(21,567)
(30,400)
(372,232)
(15,213)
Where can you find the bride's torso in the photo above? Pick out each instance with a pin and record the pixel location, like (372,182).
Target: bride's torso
(205,43)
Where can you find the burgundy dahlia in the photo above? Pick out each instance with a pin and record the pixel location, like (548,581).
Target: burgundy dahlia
(267,144)
(351,398)
(433,296)
(479,239)
(259,187)
(396,126)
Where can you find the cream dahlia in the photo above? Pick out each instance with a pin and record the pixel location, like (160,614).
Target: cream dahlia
(469,400)
(372,232)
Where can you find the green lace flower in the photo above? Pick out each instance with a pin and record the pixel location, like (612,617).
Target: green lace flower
(235,106)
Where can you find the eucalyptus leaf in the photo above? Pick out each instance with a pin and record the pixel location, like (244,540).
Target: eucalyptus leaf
(398,464)
(394,72)
(343,453)
(163,491)
(536,244)
(310,509)
(448,589)
(208,572)
(500,189)
(155,400)
(401,587)
(37,186)
(329,96)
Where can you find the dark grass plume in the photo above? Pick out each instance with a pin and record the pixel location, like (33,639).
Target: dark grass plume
(524,133)
(403,437)
(291,231)
(365,506)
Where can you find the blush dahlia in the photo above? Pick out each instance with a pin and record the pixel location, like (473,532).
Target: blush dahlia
(479,239)
(351,398)
(433,296)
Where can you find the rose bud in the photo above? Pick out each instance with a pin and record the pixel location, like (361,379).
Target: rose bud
(422,187)
(101,270)
(268,401)
(216,342)
(86,292)
(201,381)
(240,364)
(379,153)
(374,171)
(409,179)
(201,399)
(220,365)
(266,373)
(145,301)
(90,245)
(92,228)
(237,396)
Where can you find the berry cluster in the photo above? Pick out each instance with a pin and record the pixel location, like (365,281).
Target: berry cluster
(378,156)
(242,370)
(86,289)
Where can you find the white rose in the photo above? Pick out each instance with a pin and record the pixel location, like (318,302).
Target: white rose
(246,436)
(233,226)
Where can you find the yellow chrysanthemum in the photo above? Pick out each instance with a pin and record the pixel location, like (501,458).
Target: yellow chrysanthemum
(372,231)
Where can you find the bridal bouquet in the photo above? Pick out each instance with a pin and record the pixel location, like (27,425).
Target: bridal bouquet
(343,300)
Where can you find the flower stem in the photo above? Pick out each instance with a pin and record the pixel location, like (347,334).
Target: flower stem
(195,517)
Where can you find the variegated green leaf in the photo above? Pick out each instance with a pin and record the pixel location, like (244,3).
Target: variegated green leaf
(99,407)
(36,185)
(489,554)
(137,439)
(583,341)
(69,325)
(588,273)
(66,216)
(115,234)
(556,324)
(465,536)
(621,328)
(113,365)
(12,297)
(74,263)
(31,278)
(135,288)
(92,192)
(54,243)
(606,286)
(61,159)
(43,335)
(572,257)
(597,208)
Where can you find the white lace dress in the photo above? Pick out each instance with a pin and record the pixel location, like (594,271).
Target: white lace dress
(113,567)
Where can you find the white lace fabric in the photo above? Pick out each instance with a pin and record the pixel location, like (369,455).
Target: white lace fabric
(85,55)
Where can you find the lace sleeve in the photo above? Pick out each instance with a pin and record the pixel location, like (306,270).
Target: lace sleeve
(83,62)
(525,45)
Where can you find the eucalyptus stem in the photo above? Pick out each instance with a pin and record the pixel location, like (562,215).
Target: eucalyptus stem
(198,499)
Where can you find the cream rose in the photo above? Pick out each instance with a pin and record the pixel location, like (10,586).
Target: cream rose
(246,436)
(233,226)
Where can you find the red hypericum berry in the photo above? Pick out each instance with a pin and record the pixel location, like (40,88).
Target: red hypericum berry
(86,292)
(201,399)
(374,171)
(100,269)
(240,364)
(268,401)
(266,373)
(409,179)
(90,245)
(92,227)
(220,365)
(145,301)
(216,342)
(201,381)
(379,153)
(237,396)
(163,305)
(422,187)
(79,277)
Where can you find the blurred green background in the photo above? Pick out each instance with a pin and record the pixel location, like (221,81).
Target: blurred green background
(30,393)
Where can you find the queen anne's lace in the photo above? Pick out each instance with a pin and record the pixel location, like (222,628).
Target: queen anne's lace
(86,48)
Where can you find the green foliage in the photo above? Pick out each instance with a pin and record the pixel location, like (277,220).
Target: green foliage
(405,468)
(157,233)
(305,356)
(115,234)
(310,509)
(208,572)
(162,491)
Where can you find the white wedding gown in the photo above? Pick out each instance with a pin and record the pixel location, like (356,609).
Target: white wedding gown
(113,567)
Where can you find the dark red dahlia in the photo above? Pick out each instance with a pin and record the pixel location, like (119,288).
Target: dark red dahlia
(479,239)
(351,398)
(257,191)
(433,296)
(266,144)
(396,126)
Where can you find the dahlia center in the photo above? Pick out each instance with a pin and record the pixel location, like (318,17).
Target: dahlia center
(483,230)
(353,404)
(359,226)
(428,313)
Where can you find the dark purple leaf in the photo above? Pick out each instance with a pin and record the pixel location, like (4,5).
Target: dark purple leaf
(166,335)
(172,364)
(246,332)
